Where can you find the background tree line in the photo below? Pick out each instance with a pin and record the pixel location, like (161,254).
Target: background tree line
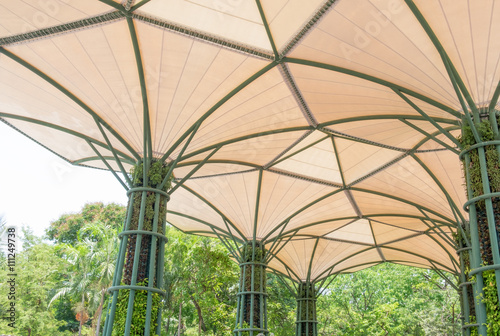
(62,280)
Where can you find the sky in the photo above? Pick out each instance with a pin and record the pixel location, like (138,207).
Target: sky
(37,187)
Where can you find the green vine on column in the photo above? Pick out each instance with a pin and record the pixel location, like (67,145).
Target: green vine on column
(306,305)
(467,140)
(156,174)
(253,289)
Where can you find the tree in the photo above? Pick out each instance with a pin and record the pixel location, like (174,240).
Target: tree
(38,269)
(78,284)
(202,278)
(94,229)
(66,228)
(389,300)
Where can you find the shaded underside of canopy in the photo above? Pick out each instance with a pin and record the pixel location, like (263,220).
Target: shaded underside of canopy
(305,123)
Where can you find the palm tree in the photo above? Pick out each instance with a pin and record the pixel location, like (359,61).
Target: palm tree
(93,262)
(78,284)
(102,257)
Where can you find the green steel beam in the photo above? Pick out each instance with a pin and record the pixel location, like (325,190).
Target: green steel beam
(273,254)
(453,260)
(370,217)
(287,149)
(427,117)
(96,158)
(354,219)
(406,153)
(441,233)
(494,98)
(174,163)
(372,79)
(286,220)
(194,170)
(436,180)
(138,5)
(375,241)
(70,95)
(454,76)
(115,155)
(401,200)
(337,157)
(291,273)
(298,151)
(235,252)
(455,122)
(233,237)
(275,241)
(124,156)
(379,169)
(309,269)
(268,30)
(445,278)
(433,137)
(205,37)
(147,152)
(423,257)
(329,269)
(213,207)
(435,222)
(247,137)
(298,95)
(257,204)
(252,166)
(282,278)
(312,22)
(113,4)
(108,165)
(195,219)
(228,96)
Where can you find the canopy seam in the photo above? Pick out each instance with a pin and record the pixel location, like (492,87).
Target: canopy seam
(61,29)
(248,50)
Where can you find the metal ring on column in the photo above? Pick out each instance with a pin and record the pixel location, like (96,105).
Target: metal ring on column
(131,232)
(481,144)
(151,289)
(484,268)
(478,198)
(464,284)
(158,191)
(463,249)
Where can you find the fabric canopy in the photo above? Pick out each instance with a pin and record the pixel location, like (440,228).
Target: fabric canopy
(326,129)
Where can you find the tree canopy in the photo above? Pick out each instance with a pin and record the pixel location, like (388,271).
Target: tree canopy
(62,288)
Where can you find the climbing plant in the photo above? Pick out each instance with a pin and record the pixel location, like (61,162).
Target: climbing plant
(154,208)
(473,167)
(253,287)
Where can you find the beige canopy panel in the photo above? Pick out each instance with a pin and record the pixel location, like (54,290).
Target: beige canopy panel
(296,123)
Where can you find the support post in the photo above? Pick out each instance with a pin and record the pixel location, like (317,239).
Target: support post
(465,289)
(306,324)
(251,312)
(480,157)
(136,292)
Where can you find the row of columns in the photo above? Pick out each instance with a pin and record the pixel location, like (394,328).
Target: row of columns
(139,270)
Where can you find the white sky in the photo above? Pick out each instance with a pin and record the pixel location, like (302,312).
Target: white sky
(37,187)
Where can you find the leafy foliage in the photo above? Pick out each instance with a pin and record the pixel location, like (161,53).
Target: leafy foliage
(467,140)
(65,229)
(201,277)
(389,300)
(139,311)
(38,270)
(491,301)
